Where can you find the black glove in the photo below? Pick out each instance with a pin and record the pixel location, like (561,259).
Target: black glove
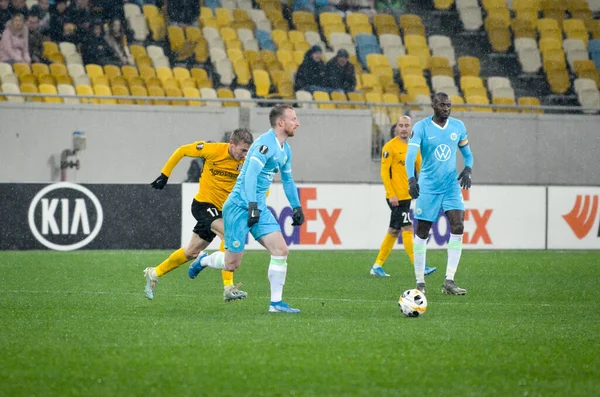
(413,187)
(253,214)
(465,178)
(160,182)
(298,217)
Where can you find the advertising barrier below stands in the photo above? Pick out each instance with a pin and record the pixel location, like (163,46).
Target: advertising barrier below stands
(573,217)
(356,216)
(66,216)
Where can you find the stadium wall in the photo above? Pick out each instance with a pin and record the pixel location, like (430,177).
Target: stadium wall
(67,216)
(129,144)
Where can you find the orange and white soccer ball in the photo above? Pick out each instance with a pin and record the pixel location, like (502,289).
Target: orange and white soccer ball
(412,303)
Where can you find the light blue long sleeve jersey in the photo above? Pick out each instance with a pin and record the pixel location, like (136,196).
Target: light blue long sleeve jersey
(438,147)
(265,158)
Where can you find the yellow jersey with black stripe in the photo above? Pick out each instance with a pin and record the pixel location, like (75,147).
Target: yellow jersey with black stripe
(393,170)
(219,174)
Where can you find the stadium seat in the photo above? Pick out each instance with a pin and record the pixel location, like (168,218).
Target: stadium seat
(478,100)
(504,101)
(85,90)
(122,91)
(469,66)
(262,82)
(67,89)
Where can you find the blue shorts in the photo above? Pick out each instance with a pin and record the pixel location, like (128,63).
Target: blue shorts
(235,219)
(427,206)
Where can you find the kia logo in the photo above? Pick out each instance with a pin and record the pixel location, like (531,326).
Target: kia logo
(65,216)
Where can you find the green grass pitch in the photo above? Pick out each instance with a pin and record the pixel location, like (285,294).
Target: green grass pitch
(78,324)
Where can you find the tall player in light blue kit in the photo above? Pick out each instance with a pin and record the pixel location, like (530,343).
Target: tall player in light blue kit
(246,210)
(439,138)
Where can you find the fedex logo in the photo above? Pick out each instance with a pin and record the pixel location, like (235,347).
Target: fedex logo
(583,215)
(312,214)
(440,230)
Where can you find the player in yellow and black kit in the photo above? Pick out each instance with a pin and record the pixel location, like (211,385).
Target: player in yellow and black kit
(223,162)
(395,181)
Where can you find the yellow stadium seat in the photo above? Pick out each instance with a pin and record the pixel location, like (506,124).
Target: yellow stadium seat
(139,91)
(152,82)
(21,69)
(529,101)
(176,36)
(242,71)
(133,81)
(57,69)
(94,70)
(137,51)
(129,71)
(559,81)
(279,36)
(157,92)
(201,77)
(467,82)
(46,79)
(193,34)
(587,69)
(28,79)
(50,48)
(360,29)
(330,18)
(180,73)
(56,57)
(234,44)
(117,81)
(189,82)
(112,70)
(302,46)
(100,80)
(120,90)
(39,69)
(223,17)
(498,34)
(523,28)
(408,20)
(164,72)
(104,90)
(377,60)
(296,36)
(549,28)
(201,51)
(456,101)
(475,91)
(340,96)
(51,90)
(414,41)
(175,92)
(158,27)
(226,93)
(469,66)
(83,89)
(323,96)
(66,80)
(442,4)
(479,100)
(575,29)
(370,83)
(505,101)
(150,10)
(357,97)
(169,82)
(190,92)
(440,66)
(262,82)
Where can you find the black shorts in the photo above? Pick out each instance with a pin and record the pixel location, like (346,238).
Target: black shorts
(205,214)
(400,214)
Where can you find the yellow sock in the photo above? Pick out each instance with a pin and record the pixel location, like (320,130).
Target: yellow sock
(176,259)
(227,275)
(407,240)
(386,248)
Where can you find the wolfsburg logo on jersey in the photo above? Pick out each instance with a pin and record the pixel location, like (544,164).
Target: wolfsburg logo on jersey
(223,173)
(65,216)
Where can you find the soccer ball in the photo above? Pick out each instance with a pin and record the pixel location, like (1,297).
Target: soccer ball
(412,303)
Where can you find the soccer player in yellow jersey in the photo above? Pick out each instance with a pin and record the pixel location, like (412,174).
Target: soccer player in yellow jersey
(395,181)
(223,163)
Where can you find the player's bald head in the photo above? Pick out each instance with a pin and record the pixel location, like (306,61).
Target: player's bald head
(405,119)
(440,97)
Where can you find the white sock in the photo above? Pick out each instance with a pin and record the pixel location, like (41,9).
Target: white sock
(216,260)
(277,273)
(420,252)
(454,252)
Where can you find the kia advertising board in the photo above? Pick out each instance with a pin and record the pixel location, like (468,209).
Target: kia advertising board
(574,217)
(356,216)
(66,216)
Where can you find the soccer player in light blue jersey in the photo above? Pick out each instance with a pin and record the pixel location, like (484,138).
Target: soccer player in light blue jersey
(245,210)
(439,138)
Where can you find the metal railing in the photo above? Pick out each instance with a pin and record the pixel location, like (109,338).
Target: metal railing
(384,114)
